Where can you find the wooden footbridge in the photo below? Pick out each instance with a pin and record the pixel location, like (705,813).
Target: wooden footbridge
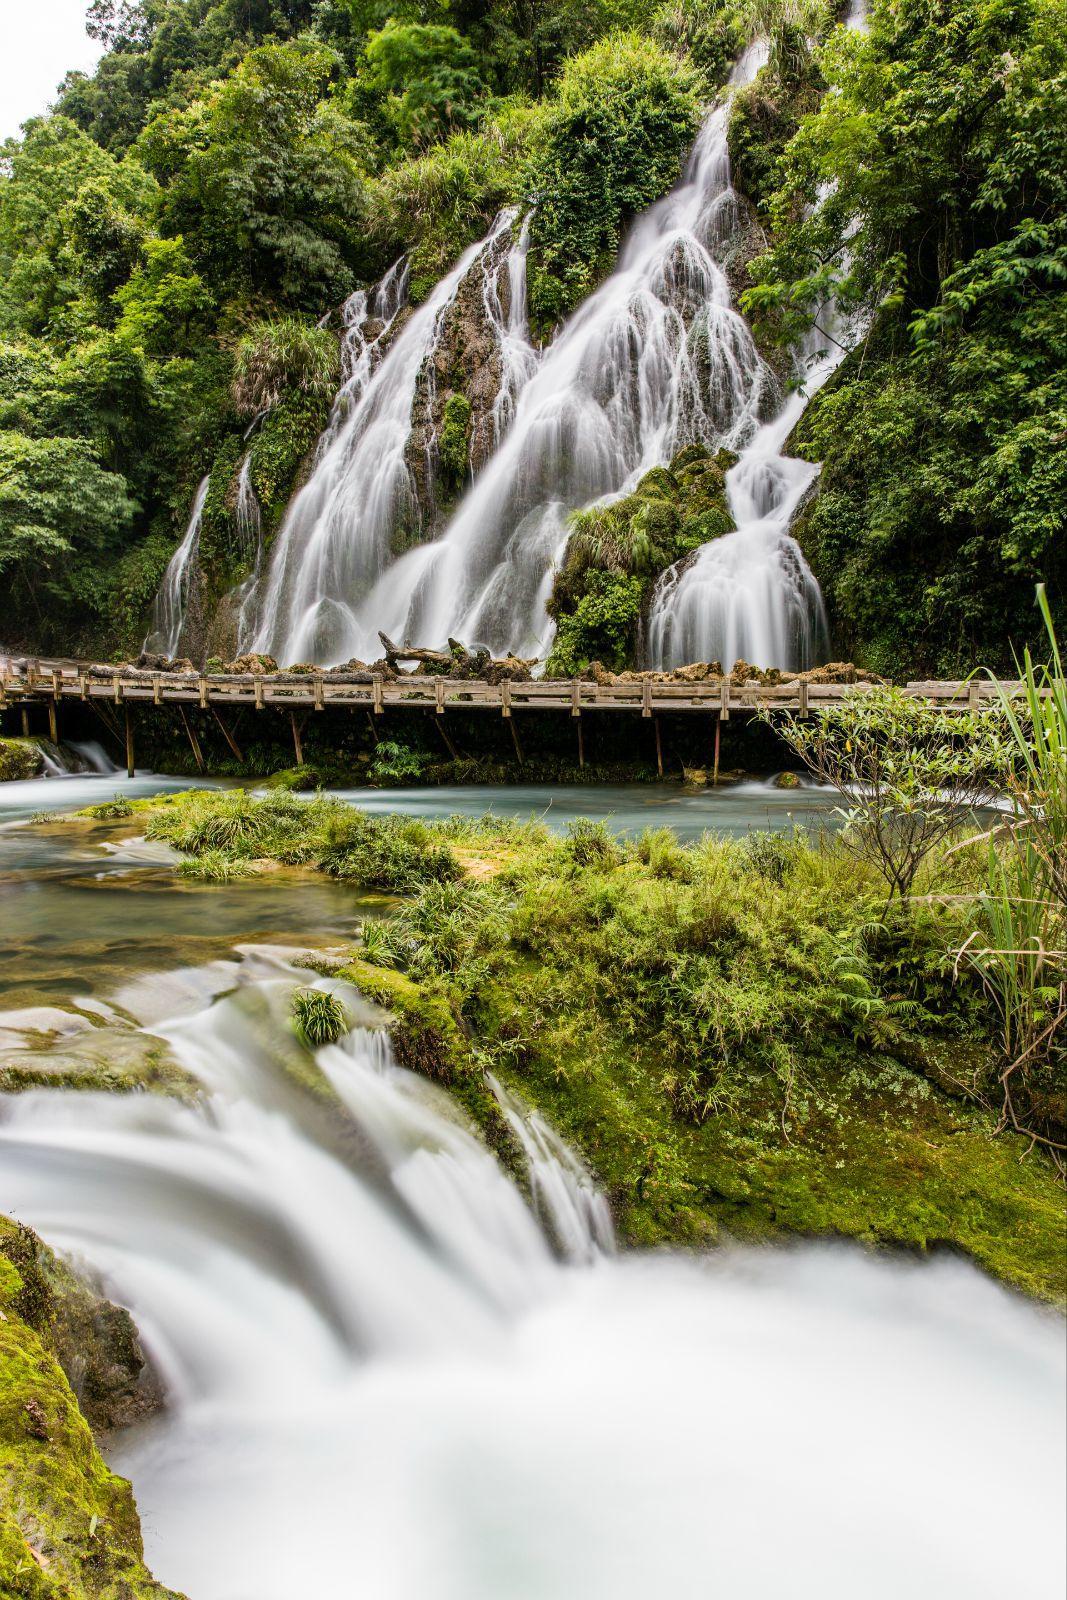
(115,692)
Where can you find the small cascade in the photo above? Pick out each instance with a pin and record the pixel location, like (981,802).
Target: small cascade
(72,757)
(571,1208)
(510,326)
(249,519)
(657,357)
(172,599)
(343,528)
(369,1349)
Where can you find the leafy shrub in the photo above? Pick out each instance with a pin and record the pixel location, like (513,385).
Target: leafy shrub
(279,355)
(590,844)
(393,763)
(109,810)
(600,628)
(319,1017)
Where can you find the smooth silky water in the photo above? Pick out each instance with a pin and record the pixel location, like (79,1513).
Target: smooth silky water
(390,1375)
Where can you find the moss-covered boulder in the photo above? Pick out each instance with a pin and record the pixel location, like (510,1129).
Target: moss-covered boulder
(68,1525)
(19,758)
(618,550)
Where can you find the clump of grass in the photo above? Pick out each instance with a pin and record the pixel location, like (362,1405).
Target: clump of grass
(318,1016)
(214,867)
(393,854)
(111,810)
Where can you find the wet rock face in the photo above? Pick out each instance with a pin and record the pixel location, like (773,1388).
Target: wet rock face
(95,1342)
(465,364)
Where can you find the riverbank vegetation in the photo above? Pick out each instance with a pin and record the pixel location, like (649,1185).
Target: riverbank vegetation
(782,1034)
(172,234)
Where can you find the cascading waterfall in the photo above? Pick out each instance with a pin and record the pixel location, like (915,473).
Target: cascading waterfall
(657,357)
(340,532)
(750,594)
(381,1380)
(172,598)
(249,519)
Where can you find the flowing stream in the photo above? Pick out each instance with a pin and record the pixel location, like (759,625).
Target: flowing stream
(390,1373)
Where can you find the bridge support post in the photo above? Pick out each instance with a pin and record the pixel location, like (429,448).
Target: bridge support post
(53,722)
(581,739)
(515,739)
(659,747)
(198,754)
(129,742)
(24,708)
(718,735)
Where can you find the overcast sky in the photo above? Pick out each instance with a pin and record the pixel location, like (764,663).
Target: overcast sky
(40,40)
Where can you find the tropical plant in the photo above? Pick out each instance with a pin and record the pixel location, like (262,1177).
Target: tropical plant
(318,1016)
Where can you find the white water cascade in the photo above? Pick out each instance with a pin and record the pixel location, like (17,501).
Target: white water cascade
(656,358)
(172,598)
(249,519)
(340,532)
(382,1381)
(751,594)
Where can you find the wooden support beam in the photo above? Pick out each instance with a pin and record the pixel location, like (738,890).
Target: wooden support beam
(198,754)
(724,702)
(83,685)
(718,733)
(298,748)
(203,692)
(228,736)
(439,696)
(53,722)
(505,698)
(157,689)
(515,740)
(257,686)
(646,697)
(116,685)
(373,727)
(576,698)
(446,736)
(376,693)
(317,685)
(581,741)
(129,742)
(659,747)
(25,720)
(802,696)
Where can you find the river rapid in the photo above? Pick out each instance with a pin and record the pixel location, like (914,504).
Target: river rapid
(392,1371)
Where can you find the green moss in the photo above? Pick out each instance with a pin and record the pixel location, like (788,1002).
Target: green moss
(68,1525)
(453,443)
(19,759)
(280,446)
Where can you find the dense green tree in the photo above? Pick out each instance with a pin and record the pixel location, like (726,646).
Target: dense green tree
(429,76)
(263,178)
(616,135)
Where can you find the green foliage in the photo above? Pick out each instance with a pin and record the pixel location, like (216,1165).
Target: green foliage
(390,853)
(453,443)
(910,775)
(437,203)
(429,75)
(59,510)
(395,763)
(938,157)
(281,443)
(319,1017)
(670,513)
(19,758)
(600,628)
(280,356)
(110,810)
(263,178)
(625,114)
(164,303)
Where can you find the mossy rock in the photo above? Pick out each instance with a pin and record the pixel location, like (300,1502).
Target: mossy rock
(19,759)
(69,1528)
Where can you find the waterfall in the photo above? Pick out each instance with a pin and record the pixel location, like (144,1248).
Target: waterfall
(249,519)
(172,598)
(565,1197)
(656,357)
(750,595)
(342,529)
(382,1380)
